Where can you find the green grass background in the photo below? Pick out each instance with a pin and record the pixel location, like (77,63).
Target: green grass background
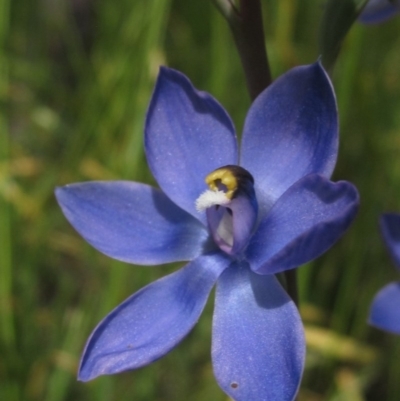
(75,81)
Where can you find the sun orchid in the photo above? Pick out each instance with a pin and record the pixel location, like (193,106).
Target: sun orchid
(377,11)
(238,218)
(385,309)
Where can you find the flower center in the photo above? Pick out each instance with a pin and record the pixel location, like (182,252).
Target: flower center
(231,207)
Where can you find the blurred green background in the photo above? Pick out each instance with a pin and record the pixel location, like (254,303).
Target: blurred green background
(75,80)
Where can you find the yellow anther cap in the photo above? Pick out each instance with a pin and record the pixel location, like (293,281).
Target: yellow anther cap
(228,179)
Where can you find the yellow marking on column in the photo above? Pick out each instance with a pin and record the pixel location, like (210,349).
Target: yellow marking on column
(225,177)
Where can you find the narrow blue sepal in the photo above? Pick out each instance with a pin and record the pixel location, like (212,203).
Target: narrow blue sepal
(306,221)
(132,222)
(291,130)
(153,321)
(188,134)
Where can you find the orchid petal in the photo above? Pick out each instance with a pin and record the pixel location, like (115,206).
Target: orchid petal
(306,221)
(153,321)
(385,309)
(291,130)
(188,134)
(377,11)
(390,227)
(258,345)
(132,222)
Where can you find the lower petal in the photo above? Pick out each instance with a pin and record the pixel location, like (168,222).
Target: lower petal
(385,309)
(258,345)
(153,321)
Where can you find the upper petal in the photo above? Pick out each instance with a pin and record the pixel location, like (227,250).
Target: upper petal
(188,134)
(385,309)
(306,221)
(390,227)
(132,222)
(377,11)
(291,130)
(258,345)
(151,322)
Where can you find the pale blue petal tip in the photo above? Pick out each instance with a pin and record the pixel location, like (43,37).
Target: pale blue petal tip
(390,228)
(378,11)
(385,309)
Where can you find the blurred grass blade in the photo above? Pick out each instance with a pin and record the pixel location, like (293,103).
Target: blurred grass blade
(6,318)
(64,359)
(339,347)
(337,19)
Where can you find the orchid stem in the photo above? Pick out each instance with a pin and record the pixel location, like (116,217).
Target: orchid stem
(7,332)
(247,28)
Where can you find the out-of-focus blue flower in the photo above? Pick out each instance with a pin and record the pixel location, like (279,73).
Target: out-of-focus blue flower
(268,209)
(377,11)
(385,308)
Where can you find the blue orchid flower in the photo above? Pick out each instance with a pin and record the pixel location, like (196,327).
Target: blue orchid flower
(237,219)
(385,308)
(377,11)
